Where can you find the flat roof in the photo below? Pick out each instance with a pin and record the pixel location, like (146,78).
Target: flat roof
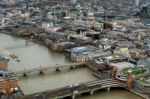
(121,65)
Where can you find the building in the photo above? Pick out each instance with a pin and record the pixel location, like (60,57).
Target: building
(8,83)
(9,1)
(137,2)
(142,85)
(73,1)
(122,69)
(83,54)
(90,21)
(3,62)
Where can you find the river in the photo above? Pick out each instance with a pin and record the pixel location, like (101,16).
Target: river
(37,55)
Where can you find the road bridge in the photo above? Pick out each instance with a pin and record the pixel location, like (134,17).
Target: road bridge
(44,69)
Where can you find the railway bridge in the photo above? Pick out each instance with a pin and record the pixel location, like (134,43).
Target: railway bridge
(75,90)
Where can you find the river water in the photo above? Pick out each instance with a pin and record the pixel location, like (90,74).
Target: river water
(32,54)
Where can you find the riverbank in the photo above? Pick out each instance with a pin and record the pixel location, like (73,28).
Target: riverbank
(24,38)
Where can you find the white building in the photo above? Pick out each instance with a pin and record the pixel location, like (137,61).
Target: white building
(137,2)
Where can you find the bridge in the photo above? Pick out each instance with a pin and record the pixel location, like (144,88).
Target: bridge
(44,69)
(75,90)
(26,43)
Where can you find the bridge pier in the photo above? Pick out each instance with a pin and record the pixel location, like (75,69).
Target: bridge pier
(108,89)
(27,42)
(25,74)
(91,92)
(58,69)
(72,67)
(42,71)
(73,96)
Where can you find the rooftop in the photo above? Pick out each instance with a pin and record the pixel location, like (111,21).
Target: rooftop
(122,65)
(144,81)
(134,71)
